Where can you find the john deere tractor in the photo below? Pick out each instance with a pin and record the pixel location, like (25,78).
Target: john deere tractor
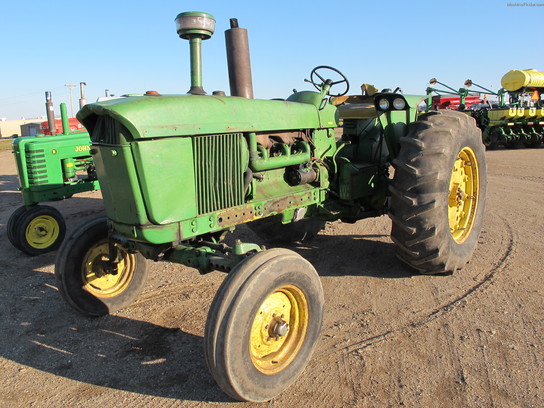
(179,172)
(52,167)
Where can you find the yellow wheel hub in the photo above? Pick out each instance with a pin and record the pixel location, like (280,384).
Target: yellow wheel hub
(100,278)
(463,195)
(42,232)
(279,329)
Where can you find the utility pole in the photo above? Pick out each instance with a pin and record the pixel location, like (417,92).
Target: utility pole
(71,103)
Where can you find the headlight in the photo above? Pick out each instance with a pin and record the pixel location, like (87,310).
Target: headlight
(383,104)
(399,103)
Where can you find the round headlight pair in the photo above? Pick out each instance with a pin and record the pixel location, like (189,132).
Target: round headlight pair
(398,103)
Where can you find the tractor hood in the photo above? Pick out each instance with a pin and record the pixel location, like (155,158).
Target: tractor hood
(185,115)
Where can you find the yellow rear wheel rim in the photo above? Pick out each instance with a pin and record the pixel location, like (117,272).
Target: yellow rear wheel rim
(463,195)
(42,232)
(104,282)
(279,329)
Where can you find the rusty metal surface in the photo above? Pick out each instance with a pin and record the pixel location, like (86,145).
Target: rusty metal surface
(250,212)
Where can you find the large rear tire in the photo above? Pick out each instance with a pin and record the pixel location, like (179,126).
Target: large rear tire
(87,281)
(263,325)
(438,192)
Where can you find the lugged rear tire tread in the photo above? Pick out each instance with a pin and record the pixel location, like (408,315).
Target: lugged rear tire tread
(419,192)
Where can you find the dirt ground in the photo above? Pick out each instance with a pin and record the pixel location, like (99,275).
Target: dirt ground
(390,338)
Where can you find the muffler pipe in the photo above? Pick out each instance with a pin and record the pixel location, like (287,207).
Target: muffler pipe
(239,65)
(50,111)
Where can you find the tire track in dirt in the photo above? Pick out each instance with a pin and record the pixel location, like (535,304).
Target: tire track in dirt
(349,364)
(511,241)
(178,293)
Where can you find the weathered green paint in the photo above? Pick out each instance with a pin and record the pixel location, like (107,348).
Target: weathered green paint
(121,192)
(187,115)
(195,45)
(208,259)
(260,160)
(169,160)
(198,225)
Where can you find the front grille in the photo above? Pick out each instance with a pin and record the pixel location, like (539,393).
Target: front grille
(219,171)
(36,167)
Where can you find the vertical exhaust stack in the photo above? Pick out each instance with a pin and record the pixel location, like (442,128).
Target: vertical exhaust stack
(50,111)
(82,100)
(64,119)
(239,65)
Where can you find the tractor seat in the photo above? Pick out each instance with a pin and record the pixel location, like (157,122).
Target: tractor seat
(355,107)
(358,111)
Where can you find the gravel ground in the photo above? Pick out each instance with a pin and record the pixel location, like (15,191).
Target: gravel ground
(390,337)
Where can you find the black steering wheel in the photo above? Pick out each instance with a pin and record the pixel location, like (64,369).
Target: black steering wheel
(322,68)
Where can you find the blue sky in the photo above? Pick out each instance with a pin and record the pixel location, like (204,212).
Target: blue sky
(132,47)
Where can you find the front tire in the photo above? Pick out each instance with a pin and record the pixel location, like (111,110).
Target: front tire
(88,283)
(37,230)
(438,192)
(13,222)
(263,325)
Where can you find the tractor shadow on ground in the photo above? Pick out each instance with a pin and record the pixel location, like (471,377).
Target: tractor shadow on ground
(355,255)
(111,351)
(370,255)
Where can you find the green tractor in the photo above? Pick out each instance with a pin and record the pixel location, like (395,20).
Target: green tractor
(50,168)
(179,172)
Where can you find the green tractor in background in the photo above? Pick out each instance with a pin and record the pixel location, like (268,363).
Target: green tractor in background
(50,167)
(179,172)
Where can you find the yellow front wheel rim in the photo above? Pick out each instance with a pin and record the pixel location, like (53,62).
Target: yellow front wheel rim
(102,280)
(42,232)
(463,195)
(279,329)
